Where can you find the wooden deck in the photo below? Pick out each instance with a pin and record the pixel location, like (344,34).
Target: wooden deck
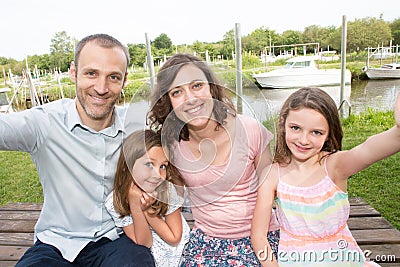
(374,234)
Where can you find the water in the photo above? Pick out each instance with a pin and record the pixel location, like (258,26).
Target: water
(265,103)
(376,94)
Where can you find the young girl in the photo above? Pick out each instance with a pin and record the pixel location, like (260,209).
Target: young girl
(143,172)
(309,180)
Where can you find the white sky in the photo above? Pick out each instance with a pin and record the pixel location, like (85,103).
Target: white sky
(27,26)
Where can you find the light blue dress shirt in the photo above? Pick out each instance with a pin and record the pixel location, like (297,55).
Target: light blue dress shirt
(76,167)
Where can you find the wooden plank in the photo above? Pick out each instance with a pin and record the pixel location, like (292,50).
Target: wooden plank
(19,215)
(355,201)
(16,239)
(22,206)
(363,211)
(189,218)
(15,226)
(11,253)
(373,233)
(357,223)
(7,263)
(377,236)
(385,253)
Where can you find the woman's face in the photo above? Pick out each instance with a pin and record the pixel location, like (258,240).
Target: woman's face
(150,170)
(190,96)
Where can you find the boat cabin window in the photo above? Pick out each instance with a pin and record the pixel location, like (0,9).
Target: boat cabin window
(298,64)
(301,64)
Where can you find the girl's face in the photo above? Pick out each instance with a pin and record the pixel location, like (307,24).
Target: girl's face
(306,132)
(150,170)
(190,96)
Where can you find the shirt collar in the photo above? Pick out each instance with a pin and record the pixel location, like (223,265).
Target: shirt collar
(73,120)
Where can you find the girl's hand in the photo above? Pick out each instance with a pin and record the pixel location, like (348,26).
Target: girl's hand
(147,200)
(135,195)
(397,110)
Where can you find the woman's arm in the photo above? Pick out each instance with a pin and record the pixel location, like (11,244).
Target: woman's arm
(262,217)
(139,231)
(264,158)
(375,148)
(169,230)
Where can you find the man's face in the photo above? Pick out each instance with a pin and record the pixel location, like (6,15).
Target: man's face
(99,76)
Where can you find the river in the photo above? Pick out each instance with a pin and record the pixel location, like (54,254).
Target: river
(265,103)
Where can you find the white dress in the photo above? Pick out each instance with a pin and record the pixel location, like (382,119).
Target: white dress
(163,253)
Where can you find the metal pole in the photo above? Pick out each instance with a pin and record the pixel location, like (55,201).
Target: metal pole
(150,62)
(238,51)
(343,60)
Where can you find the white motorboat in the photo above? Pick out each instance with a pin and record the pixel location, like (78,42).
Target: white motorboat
(301,72)
(386,71)
(5,105)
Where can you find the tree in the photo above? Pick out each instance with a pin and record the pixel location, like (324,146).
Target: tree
(41,61)
(162,42)
(395,27)
(137,54)
(317,34)
(61,50)
(228,43)
(259,39)
(367,32)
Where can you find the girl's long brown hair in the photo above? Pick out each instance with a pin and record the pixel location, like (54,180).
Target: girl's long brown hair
(135,146)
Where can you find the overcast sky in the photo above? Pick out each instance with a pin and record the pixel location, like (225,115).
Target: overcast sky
(27,26)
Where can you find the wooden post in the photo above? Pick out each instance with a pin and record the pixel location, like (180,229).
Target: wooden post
(343,61)
(4,76)
(150,62)
(238,52)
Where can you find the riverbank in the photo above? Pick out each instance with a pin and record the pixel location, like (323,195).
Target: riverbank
(377,185)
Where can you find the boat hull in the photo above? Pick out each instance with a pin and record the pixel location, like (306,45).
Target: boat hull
(378,73)
(295,79)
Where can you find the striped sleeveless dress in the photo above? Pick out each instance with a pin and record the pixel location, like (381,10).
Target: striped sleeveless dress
(314,229)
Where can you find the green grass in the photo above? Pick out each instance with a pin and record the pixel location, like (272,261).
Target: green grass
(19,179)
(378,185)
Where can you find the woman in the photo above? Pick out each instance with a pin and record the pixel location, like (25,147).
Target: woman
(219,154)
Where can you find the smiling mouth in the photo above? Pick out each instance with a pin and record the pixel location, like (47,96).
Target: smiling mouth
(194,110)
(153,182)
(301,148)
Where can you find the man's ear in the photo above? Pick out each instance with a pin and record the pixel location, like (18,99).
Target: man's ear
(125,79)
(72,72)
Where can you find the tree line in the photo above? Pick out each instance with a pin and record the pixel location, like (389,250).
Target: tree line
(361,34)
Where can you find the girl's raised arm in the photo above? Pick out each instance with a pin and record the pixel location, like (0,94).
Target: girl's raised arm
(169,230)
(262,217)
(375,148)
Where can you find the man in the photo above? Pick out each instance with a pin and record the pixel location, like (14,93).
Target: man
(75,145)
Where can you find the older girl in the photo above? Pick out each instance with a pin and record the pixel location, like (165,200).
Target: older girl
(309,181)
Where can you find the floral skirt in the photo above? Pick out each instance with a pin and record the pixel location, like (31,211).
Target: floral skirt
(204,250)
